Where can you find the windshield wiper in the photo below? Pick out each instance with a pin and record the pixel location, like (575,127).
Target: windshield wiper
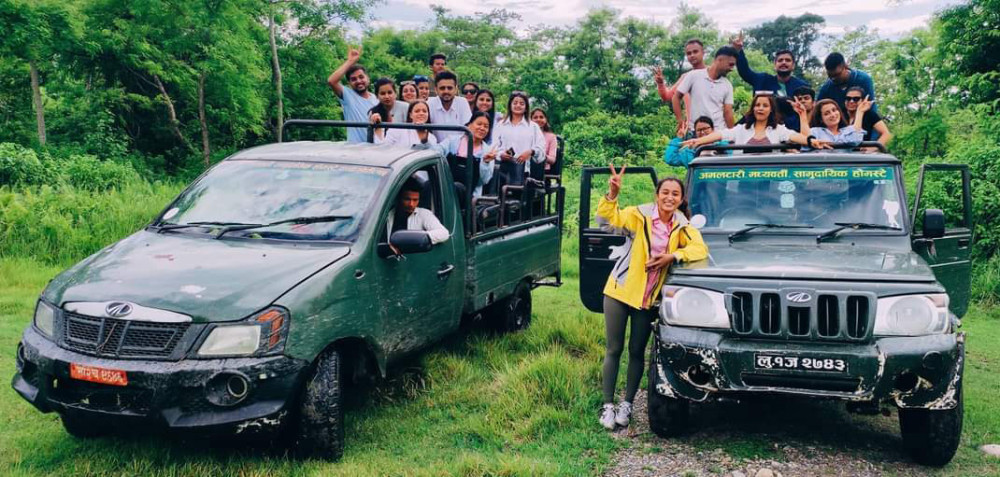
(854,226)
(169,226)
(751,227)
(294,221)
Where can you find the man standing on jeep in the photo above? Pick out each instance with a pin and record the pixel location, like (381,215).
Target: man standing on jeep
(782,84)
(408,215)
(355,100)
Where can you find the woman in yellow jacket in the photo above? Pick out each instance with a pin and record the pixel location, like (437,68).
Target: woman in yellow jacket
(659,235)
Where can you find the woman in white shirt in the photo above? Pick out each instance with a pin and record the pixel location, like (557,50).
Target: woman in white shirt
(419,113)
(483,152)
(520,140)
(761,127)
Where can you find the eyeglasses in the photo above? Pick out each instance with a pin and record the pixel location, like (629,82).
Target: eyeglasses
(703,130)
(469,91)
(853,99)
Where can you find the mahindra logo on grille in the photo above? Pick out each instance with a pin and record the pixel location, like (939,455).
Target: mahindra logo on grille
(799,297)
(118,309)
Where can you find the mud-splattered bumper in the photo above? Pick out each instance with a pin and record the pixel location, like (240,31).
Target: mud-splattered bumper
(911,372)
(187,394)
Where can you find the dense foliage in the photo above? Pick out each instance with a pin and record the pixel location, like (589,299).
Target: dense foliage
(112,95)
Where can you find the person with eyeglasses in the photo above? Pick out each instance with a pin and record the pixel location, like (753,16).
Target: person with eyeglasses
(874,126)
(842,78)
(408,91)
(677,155)
(781,84)
(355,100)
(446,107)
(423,87)
(469,90)
(520,140)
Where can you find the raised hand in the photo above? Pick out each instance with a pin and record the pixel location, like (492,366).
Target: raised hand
(864,105)
(615,181)
(738,41)
(353,54)
(799,109)
(657,74)
(682,128)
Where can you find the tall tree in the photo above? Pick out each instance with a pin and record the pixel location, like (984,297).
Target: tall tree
(796,34)
(970,38)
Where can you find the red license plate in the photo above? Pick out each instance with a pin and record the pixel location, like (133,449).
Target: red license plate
(114,377)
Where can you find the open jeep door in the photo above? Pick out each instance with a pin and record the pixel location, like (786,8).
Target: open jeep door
(942,228)
(638,187)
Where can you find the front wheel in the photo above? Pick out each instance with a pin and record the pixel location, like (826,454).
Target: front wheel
(320,426)
(931,437)
(514,313)
(668,416)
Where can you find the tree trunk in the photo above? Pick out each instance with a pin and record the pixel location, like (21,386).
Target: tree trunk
(36,96)
(172,115)
(276,76)
(205,149)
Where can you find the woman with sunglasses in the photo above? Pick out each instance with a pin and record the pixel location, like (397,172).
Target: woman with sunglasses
(874,126)
(408,90)
(520,140)
(469,91)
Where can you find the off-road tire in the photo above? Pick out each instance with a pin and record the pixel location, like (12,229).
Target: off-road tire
(320,423)
(82,427)
(932,437)
(514,312)
(668,416)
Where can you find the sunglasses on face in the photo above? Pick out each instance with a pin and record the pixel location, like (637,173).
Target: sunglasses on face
(469,91)
(853,99)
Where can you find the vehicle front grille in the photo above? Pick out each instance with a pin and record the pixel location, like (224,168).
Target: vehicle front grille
(813,383)
(116,338)
(827,315)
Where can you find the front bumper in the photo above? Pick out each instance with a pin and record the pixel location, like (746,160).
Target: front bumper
(910,372)
(178,395)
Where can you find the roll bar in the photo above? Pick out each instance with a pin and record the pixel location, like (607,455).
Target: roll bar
(467,180)
(785,147)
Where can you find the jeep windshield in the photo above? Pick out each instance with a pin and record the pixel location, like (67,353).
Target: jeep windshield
(236,195)
(796,199)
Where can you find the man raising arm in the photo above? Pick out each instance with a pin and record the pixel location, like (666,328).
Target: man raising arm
(781,84)
(354,100)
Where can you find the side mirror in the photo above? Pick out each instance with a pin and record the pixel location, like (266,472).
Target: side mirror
(407,242)
(933,223)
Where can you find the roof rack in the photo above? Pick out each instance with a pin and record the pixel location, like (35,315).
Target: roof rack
(786,147)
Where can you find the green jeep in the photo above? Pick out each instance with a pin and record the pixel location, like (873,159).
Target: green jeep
(818,284)
(269,282)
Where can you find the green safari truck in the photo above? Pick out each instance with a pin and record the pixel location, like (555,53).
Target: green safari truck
(820,283)
(269,283)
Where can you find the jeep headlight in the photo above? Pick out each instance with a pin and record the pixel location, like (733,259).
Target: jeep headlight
(912,315)
(45,318)
(683,306)
(261,334)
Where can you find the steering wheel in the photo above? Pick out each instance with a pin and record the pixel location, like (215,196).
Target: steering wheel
(737,217)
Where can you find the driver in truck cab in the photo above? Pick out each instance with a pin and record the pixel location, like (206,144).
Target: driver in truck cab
(408,215)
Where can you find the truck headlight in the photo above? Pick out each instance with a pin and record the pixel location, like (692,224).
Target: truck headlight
(263,333)
(912,315)
(45,318)
(682,306)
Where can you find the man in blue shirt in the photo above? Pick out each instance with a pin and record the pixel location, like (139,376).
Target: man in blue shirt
(843,78)
(781,84)
(356,101)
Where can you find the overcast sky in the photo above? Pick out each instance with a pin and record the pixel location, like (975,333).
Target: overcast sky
(891,17)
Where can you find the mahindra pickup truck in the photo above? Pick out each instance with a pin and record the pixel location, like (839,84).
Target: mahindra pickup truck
(270,282)
(821,283)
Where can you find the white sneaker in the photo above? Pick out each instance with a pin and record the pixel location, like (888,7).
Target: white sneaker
(624,413)
(608,417)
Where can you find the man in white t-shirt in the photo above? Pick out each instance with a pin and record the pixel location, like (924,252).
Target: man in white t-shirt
(711,93)
(355,100)
(446,107)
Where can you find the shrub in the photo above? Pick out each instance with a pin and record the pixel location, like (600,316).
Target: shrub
(90,173)
(20,166)
(595,139)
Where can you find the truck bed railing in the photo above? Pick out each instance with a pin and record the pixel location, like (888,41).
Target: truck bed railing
(785,147)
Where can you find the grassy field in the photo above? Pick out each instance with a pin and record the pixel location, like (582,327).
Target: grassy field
(522,404)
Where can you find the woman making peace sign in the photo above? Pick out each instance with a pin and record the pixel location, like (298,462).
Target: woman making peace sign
(658,236)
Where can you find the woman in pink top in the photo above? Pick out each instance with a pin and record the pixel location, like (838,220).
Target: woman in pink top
(539,117)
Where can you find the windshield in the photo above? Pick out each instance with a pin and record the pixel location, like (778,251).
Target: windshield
(731,198)
(261,192)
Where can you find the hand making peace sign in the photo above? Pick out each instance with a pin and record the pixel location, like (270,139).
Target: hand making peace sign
(615,181)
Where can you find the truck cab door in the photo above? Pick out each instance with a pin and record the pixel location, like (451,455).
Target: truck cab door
(421,294)
(945,187)
(638,187)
